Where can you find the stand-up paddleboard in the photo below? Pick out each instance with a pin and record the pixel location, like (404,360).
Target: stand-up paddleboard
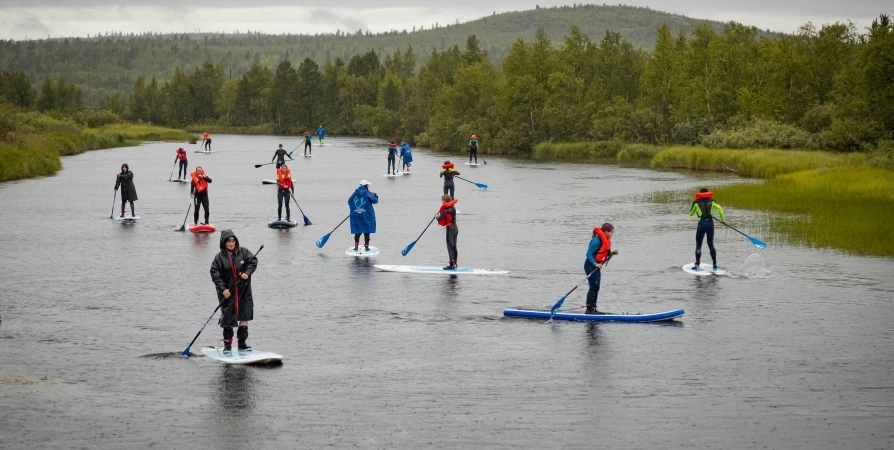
(654,317)
(281,223)
(209,151)
(206,228)
(392,175)
(178,180)
(703,270)
(127,218)
(307,156)
(266,181)
(406,173)
(362,251)
(237,357)
(472,164)
(440,270)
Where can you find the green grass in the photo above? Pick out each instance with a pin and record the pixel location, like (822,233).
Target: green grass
(134,133)
(230,129)
(849,209)
(753,163)
(26,158)
(593,151)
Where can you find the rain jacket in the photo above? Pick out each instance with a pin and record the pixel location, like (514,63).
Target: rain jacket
(125,182)
(405,152)
(321,132)
(363,216)
(225,268)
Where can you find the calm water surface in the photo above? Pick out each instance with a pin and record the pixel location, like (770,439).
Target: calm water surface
(802,359)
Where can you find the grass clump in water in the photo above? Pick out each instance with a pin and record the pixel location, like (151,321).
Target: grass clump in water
(753,163)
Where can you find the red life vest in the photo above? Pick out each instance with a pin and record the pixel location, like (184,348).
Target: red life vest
(284,178)
(200,183)
(206,136)
(605,248)
(447,220)
(181,154)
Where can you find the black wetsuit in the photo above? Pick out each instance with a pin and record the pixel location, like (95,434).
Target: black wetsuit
(280,156)
(200,200)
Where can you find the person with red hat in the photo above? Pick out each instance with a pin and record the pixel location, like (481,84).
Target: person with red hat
(448,172)
(598,253)
(473,149)
(705,206)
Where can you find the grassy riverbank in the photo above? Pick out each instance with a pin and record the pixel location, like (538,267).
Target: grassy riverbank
(32,143)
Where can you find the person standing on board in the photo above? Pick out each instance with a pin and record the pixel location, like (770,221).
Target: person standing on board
(363,216)
(704,206)
(198,191)
(473,149)
(406,156)
(448,172)
(392,157)
(286,186)
(231,272)
(124,180)
(181,156)
(447,218)
(206,138)
(598,253)
(280,156)
(307,144)
(321,134)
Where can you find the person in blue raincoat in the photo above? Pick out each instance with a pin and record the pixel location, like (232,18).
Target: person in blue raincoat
(363,216)
(406,155)
(321,134)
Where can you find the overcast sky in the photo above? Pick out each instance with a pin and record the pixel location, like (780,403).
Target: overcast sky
(35,19)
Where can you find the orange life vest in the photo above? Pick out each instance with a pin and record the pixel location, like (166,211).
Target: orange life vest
(200,183)
(605,248)
(284,178)
(207,136)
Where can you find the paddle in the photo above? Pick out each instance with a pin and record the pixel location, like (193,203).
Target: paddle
(115,196)
(171,176)
(481,186)
(183,227)
(558,304)
(410,247)
(293,150)
(306,220)
(257,166)
(485,161)
(325,238)
(757,242)
(186,352)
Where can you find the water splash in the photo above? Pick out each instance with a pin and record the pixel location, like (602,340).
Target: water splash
(754,267)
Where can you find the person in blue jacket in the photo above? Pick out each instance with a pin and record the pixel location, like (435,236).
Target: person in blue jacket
(321,134)
(307,144)
(599,251)
(363,216)
(406,156)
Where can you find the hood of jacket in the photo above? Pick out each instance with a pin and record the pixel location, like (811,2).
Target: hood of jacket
(224,235)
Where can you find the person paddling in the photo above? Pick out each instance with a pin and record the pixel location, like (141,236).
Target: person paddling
(206,138)
(447,218)
(704,207)
(280,156)
(473,148)
(286,186)
(124,180)
(181,156)
(448,172)
(198,191)
(307,144)
(598,253)
(231,272)
(406,156)
(363,216)
(392,157)
(321,134)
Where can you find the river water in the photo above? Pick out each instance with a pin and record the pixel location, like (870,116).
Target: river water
(799,358)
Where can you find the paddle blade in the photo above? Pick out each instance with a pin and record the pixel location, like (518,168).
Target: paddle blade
(485,161)
(758,243)
(306,220)
(323,240)
(408,248)
(186,352)
(258,166)
(558,305)
(481,186)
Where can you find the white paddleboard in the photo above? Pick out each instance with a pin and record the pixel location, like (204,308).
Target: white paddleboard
(703,270)
(362,251)
(307,156)
(268,182)
(178,180)
(127,217)
(399,174)
(440,270)
(406,173)
(237,357)
(202,151)
(473,164)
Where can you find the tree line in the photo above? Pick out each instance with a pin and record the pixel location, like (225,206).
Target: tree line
(823,88)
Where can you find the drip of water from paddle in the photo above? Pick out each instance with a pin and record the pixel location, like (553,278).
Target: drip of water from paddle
(754,267)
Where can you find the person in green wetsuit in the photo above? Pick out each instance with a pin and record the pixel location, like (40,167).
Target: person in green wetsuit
(704,206)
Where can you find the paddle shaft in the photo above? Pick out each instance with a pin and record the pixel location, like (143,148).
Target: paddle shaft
(299,206)
(171,176)
(114,197)
(426,228)
(461,178)
(183,227)
(737,231)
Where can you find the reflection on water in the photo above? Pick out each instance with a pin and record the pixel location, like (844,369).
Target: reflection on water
(235,395)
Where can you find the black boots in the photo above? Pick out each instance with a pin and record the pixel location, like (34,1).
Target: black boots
(228,339)
(241,336)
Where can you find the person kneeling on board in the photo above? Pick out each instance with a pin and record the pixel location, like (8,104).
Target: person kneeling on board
(286,186)
(448,172)
(184,162)
(280,156)
(363,216)
(598,253)
(231,272)
(198,191)
(704,206)
(447,218)
(124,180)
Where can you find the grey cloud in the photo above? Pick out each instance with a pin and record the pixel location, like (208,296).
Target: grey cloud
(348,23)
(30,26)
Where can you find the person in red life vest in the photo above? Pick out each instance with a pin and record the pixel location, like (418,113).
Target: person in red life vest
(598,253)
(206,138)
(199,193)
(181,156)
(231,272)
(448,172)
(286,187)
(124,180)
(447,218)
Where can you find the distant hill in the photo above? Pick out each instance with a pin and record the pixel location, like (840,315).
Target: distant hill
(102,65)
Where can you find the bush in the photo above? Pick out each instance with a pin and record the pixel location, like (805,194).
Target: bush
(883,155)
(691,132)
(817,118)
(577,150)
(96,118)
(851,135)
(638,151)
(762,133)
